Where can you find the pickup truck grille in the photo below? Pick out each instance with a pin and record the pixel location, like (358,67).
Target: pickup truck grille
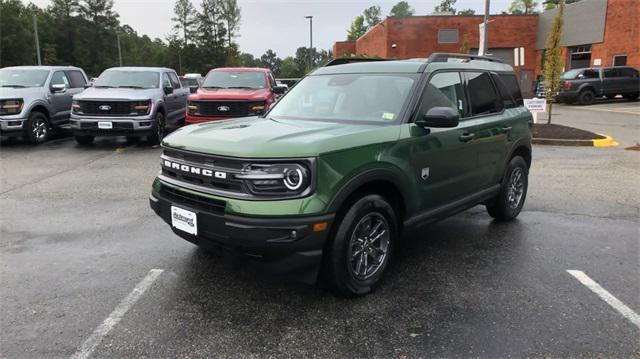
(220,175)
(226,108)
(115,108)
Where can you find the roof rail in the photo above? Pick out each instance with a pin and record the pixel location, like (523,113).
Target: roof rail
(443,57)
(350,60)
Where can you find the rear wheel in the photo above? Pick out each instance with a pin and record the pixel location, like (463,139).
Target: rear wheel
(158,129)
(586,97)
(36,128)
(513,191)
(84,140)
(632,96)
(359,254)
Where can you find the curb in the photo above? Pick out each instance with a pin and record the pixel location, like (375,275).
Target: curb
(608,141)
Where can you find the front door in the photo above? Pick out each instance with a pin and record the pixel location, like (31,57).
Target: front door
(60,99)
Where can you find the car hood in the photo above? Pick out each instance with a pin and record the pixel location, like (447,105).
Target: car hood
(17,92)
(96,93)
(256,137)
(230,94)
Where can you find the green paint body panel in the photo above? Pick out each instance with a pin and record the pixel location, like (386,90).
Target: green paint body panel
(345,151)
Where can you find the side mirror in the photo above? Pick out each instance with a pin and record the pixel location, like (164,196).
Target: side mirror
(279,90)
(88,84)
(193,89)
(442,117)
(581,76)
(168,90)
(58,88)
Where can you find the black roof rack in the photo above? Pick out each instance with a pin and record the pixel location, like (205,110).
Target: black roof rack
(444,57)
(350,60)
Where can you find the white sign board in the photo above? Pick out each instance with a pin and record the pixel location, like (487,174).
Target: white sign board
(597,62)
(481,50)
(535,104)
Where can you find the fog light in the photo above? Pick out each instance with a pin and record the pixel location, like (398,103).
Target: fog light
(145,123)
(14,123)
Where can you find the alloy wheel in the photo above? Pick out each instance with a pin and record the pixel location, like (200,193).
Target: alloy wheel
(516,187)
(369,246)
(39,129)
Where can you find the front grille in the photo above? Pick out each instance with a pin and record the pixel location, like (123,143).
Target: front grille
(191,200)
(226,108)
(116,125)
(116,108)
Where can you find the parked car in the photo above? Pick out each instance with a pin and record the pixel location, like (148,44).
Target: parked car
(192,82)
(129,101)
(326,182)
(37,99)
(233,92)
(585,85)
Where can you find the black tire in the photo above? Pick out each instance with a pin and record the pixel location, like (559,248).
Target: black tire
(159,128)
(133,139)
(586,97)
(509,201)
(632,96)
(84,140)
(351,236)
(36,128)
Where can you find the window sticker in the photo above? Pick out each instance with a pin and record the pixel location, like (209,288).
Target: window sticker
(388,115)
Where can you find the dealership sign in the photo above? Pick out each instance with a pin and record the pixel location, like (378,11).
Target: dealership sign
(535,104)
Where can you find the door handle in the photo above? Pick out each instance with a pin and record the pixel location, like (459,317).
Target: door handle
(506,129)
(466,137)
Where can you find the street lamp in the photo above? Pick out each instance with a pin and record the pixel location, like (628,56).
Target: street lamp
(310,41)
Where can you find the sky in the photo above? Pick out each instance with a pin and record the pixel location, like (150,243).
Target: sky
(278,24)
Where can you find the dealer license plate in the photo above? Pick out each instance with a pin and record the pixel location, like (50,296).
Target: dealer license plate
(103,125)
(184,220)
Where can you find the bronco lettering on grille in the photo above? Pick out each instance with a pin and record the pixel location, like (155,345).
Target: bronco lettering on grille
(194,170)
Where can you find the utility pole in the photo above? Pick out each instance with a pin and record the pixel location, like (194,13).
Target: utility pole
(35,31)
(310,41)
(119,50)
(486,26)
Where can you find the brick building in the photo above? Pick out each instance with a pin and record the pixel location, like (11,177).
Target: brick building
(596,33)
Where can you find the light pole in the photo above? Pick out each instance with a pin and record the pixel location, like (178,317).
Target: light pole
(35,32)
(486,27)
(310,41)
(119,50)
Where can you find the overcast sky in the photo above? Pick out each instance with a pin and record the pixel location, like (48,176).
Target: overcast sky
(278,24)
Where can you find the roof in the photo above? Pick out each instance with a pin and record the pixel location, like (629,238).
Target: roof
(47,68)
(241,69)
(140,68)
(413,66)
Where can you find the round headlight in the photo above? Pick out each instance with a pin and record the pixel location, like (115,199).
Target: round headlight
(293,178)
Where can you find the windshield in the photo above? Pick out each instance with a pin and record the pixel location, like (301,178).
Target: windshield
(189,82)
(23,78)
(347,97)
(129,79)
(235,79)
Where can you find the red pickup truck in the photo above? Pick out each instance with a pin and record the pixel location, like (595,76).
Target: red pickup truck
(233,92)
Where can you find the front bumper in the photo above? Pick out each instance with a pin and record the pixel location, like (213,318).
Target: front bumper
(121,126)
(10,126)
(191,119)
(285,246)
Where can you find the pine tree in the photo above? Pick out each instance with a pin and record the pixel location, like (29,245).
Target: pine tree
(356,29)
(553,63)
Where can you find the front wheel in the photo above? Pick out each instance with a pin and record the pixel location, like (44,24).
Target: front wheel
(513,191)
(158,130)
(84,140)
(359,254)
(36,129)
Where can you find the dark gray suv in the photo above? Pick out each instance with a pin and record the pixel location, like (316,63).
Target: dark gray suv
(36,99)
(130,101)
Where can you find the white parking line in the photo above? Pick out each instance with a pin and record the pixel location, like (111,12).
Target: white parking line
(606,296)
(103,329)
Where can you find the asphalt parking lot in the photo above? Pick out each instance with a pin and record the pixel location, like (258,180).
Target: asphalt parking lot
(77,236)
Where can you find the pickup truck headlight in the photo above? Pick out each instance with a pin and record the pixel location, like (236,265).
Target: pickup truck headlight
(276,179)
(141,107)
(75,107)
(11,107)
(257,108)
(192,108)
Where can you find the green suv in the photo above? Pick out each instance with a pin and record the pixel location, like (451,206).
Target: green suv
(324,184)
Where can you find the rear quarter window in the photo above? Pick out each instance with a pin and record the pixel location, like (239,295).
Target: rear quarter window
(513,96)
(76,78)
(483,96)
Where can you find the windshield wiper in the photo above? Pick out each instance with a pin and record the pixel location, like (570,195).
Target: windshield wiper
(132,87)
(242,87)
(19,86)
(104,86)
(214,87)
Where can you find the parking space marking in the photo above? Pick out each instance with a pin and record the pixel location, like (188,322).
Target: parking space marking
(103,329)
(606,296)
(631,112)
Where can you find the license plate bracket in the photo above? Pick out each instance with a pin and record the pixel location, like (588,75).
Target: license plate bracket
(184,220)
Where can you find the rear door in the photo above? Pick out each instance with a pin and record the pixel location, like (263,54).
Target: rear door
(630,80)
(612,82)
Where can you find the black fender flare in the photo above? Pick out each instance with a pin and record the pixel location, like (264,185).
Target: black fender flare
(40,103)
(522,142)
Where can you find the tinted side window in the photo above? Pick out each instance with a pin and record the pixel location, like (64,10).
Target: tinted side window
(608,73)
(628,72)
(59,78)
(166,82)
(443,90)
(482,94)
(512,85)
(590,74)
(76,78)
(174,80)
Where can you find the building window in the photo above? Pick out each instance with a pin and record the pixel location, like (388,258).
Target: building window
(579,56)
(448,36)
(620,60)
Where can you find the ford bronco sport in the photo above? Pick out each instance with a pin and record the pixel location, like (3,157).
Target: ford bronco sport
(36,99)
(233,92)
(129,101)
(324,184)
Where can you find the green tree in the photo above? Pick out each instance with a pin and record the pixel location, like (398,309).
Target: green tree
(356,29)
(523,7)
(553,63)
(446,6)
(98,50)
(464,49)
(289,69)
(466,12)
(64,14)
(271,61)
(401,9)
(372,16)
(211,33)
(552,4)
(185,19)
(231,14)
(17,45)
